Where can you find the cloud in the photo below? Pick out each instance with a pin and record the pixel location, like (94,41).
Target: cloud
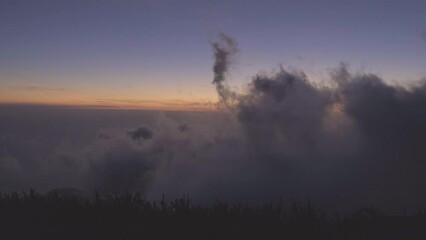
(360,127)
(121,170)
(141,133)
(224,50)
(184,127)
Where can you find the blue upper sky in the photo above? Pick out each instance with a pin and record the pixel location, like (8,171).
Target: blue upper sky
(87,51)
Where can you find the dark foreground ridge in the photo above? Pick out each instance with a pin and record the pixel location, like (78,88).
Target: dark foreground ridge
(67,216)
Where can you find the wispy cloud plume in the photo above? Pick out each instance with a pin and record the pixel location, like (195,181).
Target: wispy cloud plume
(224,50)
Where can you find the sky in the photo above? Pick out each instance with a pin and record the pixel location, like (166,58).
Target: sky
(157,54)
(321,100)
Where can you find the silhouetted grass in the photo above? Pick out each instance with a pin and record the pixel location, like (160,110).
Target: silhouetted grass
(34,216)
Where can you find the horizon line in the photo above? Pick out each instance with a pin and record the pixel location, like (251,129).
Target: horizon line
(200,107)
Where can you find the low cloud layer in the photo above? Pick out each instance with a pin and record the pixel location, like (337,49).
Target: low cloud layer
(352,140)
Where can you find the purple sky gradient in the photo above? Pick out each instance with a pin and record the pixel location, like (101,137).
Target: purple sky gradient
(159,50)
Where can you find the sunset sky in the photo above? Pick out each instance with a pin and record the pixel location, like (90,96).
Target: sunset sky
(241,100)
(156,54)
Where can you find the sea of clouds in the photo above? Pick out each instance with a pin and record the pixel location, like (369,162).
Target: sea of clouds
(351,140)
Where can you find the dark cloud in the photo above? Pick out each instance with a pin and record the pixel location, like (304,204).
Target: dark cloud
(282,109)
(224,50)
(184,127)
(141,133)
(120,171)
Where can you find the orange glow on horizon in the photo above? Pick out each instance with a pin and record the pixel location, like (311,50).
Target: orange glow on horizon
(109,98)
(164,105)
